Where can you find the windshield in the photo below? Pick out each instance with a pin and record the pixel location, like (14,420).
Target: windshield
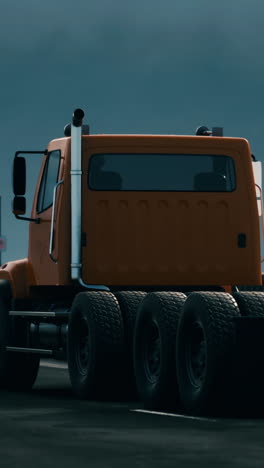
(161,172)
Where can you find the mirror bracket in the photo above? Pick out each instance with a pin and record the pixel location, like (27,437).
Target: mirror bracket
(24,218)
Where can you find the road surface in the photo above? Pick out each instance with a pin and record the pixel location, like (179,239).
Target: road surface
(50,428)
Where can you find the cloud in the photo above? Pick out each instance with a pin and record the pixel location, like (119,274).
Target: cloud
(25,25)
(146,66)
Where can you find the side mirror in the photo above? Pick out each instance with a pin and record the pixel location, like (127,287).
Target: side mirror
(19,176)
(19,206)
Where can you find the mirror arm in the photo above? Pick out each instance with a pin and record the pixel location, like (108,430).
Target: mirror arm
(31,152)
(24,218)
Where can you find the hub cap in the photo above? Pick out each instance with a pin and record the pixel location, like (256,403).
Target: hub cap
(152,352)
(82,346)
(196,356)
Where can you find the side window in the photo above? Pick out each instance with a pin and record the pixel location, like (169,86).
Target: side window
(49,179)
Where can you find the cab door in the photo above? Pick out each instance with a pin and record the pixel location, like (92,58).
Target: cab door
(45,269)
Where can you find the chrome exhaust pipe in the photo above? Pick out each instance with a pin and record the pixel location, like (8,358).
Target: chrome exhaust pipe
(76,186)
(76,200)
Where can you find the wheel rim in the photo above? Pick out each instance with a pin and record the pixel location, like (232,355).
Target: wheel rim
(195,354)
(82,350)
(152,353)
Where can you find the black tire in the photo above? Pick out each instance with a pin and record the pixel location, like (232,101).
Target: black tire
(129,302)
(95,345)
(251,288)
(250,303)
(154,342)
(204,351)
(250,356)
(17,371)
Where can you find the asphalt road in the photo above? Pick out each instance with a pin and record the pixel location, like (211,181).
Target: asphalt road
(50,428)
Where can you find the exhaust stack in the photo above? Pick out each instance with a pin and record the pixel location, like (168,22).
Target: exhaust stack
(76,184)
(76,202)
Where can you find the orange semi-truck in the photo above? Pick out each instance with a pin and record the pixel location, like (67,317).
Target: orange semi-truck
(138,245)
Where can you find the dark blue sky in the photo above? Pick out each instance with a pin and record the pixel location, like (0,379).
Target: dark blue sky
(135,67)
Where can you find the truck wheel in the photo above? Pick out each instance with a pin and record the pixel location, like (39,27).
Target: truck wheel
(154,342)
(23,371)
(251,288)
(250,303)
(17,371)
(95,344)
(204,351)
(250,359)
(129,302)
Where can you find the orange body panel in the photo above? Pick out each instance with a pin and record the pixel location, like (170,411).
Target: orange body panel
(20,275)
(171,238)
